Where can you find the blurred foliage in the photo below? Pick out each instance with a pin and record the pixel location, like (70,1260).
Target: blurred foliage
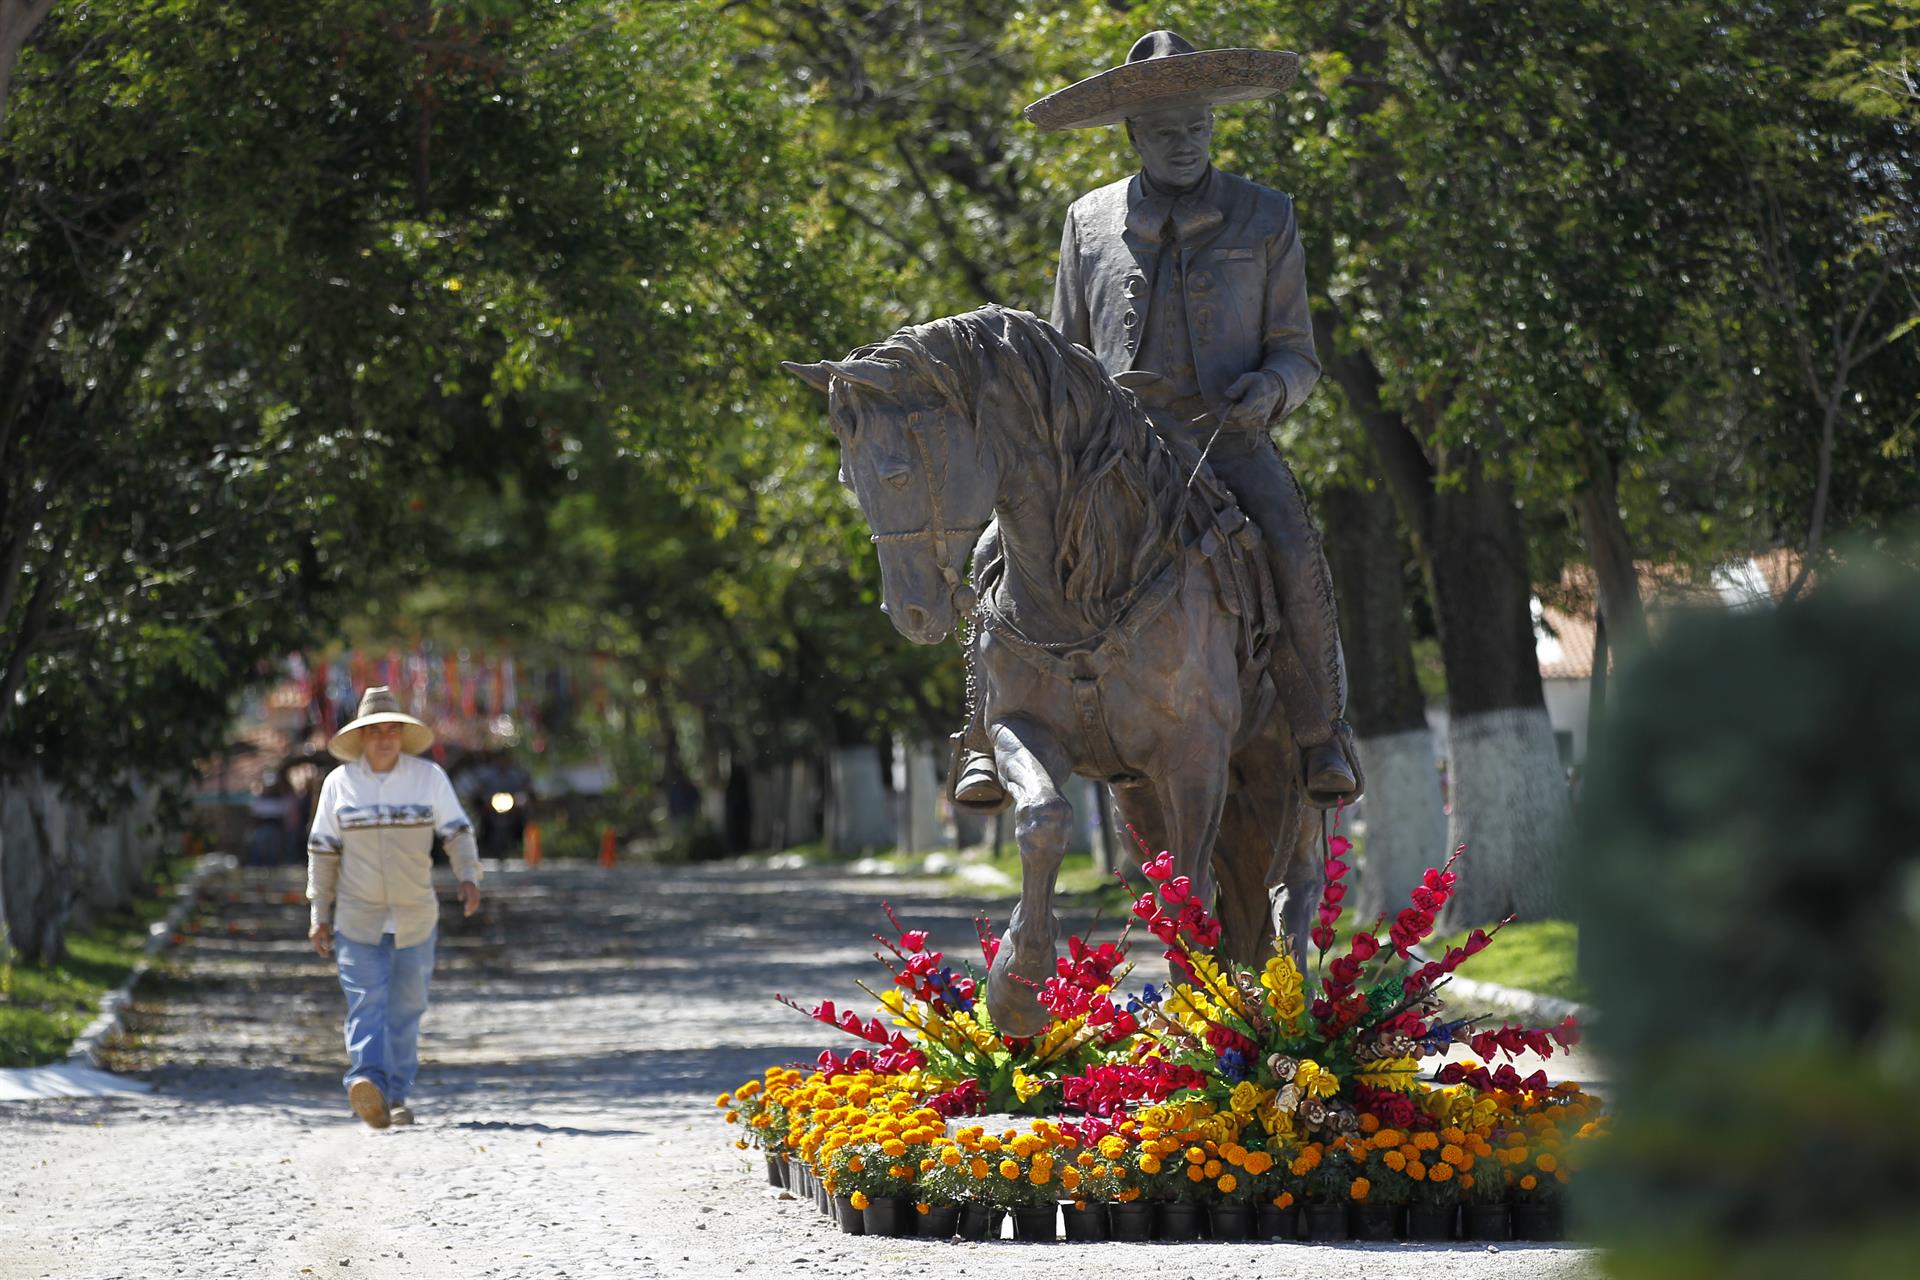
(1750,904)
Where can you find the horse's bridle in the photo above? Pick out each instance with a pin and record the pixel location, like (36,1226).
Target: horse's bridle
(959,591)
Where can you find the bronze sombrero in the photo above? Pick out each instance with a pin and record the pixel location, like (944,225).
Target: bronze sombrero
(1164,72)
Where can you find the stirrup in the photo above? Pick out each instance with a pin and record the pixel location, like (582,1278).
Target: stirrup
(977,788)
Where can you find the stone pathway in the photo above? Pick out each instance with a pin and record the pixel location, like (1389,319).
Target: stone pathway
(581,1025)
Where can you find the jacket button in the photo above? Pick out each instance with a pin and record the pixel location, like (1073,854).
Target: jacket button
(1130,319)
(1201,281)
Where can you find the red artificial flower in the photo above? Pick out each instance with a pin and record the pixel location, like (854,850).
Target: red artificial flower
(1161,868)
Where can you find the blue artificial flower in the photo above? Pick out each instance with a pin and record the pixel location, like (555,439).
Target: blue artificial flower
(1442,1034)
(1233,1066)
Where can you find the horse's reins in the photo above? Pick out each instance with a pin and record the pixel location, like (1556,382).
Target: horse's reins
(959,592)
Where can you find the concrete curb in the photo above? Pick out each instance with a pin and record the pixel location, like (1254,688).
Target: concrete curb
(112,1018)
(1528,1004)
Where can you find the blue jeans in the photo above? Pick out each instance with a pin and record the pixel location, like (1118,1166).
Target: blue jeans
(386,990)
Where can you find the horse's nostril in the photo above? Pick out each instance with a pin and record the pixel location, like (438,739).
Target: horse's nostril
(917,617)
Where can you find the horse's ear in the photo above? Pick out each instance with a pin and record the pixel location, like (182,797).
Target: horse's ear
(816,376)
(881,375)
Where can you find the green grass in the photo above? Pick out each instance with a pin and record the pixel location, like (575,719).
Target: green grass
(43,1007)
(1536,956)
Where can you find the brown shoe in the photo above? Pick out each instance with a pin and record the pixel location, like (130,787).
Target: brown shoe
(369,1103)
(400,1113)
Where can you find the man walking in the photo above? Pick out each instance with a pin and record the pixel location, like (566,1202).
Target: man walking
(1187,284)
(370,879)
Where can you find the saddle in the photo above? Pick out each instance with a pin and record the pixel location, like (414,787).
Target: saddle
(1214,531)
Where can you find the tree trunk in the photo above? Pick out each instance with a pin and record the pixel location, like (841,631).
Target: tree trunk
(1509,796)
(1597,503)
(1406,826)
(18,18)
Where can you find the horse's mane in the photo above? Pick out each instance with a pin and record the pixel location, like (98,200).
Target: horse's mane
(1106,459)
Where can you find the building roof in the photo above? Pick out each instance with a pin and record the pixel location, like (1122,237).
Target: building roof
(1563,616)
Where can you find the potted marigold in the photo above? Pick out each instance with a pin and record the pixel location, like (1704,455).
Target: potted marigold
(980,1217)
(1389,1190)
(1026,1182)
(870,1185)
(1330,1174)
(1230,1191)
(1100,1177)
(944,1185)
(1141,1173)
(1483,1196)
(1277,1194)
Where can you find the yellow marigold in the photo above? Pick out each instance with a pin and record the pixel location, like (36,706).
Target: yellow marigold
(1283,1200)
(1009,1170)
(1150,1164)
(855,1164)
(893,1148)
(1547,1162)
(1226,1182)
(859,1199)
(1196,1155)
(1069,1177)
(1196,1174)
(1529,1182)
(1211,1168)
(1453,1154)
(733,1117)
(1369,1122)
(1387,1138)
(951,1157)
(1039,1176)
(1426,1140)
(1394,1161)
(1258,1162)
(978,1168)
(1113,1146)
(1360,1189)
(1416,1171)
(1441,1171)
(899,1171)
(1466,1181)
(723,1100)
(1301,1167)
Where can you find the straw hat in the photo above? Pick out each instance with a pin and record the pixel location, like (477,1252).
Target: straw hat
(1163,72)
(379,706)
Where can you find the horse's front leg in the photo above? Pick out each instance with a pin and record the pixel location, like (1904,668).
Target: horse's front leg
(1033,765)
(1192,798)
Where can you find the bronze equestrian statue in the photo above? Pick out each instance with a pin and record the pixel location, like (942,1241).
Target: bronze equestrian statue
(1188,284)
(1120,633)
(1132,624)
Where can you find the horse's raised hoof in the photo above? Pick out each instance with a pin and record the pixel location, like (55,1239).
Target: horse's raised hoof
(1013,990)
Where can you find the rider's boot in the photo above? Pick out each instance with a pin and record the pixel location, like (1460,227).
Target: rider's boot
(1329,766)
(975,781)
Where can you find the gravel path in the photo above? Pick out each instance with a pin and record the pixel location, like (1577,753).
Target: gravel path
(581,1025)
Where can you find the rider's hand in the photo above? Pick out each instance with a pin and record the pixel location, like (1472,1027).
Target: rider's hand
(1255,396)
(321,936)
(469,897)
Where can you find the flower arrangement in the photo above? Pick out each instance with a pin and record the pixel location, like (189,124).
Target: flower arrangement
(1277,1083)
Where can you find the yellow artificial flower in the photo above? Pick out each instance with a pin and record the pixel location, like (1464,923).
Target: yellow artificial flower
(1247,1097)
(1315,1081)
(1398,1074)
(1025,1086)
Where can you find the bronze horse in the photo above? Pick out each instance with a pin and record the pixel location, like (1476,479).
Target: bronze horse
(1120,623)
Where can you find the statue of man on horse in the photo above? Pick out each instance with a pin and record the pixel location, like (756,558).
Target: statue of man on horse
(1187,282)
(1131,623)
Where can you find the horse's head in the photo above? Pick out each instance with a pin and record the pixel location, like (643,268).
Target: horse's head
(909,451)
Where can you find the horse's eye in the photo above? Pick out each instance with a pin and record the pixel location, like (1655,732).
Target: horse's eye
(896,472)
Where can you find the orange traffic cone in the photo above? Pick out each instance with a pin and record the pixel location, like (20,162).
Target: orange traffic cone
(530,845)
(606,846)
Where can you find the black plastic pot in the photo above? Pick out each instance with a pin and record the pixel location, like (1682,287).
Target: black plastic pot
(1327,1222)
(851,1220)
(1130,1221)
(1486,1222)
(1431,1221)
(1085,1224)
(773,1173)
(1176,1220)
(1369,1221)
(939,1222)
(1535,1220)
(786,1174)
(1271,1223)
(889,1216)
(980,1221)
(1036,1223)
(1230,1221)
(821,1200)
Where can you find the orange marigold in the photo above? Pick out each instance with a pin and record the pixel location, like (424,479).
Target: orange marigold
(1360,1189)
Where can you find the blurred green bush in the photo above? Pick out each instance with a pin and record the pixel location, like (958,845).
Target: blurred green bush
(1747,851)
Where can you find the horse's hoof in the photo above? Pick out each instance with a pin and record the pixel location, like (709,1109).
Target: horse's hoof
(1013,991)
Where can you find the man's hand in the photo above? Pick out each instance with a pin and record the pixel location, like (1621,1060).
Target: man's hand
(469,897)
(321,936)
(1255,396)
